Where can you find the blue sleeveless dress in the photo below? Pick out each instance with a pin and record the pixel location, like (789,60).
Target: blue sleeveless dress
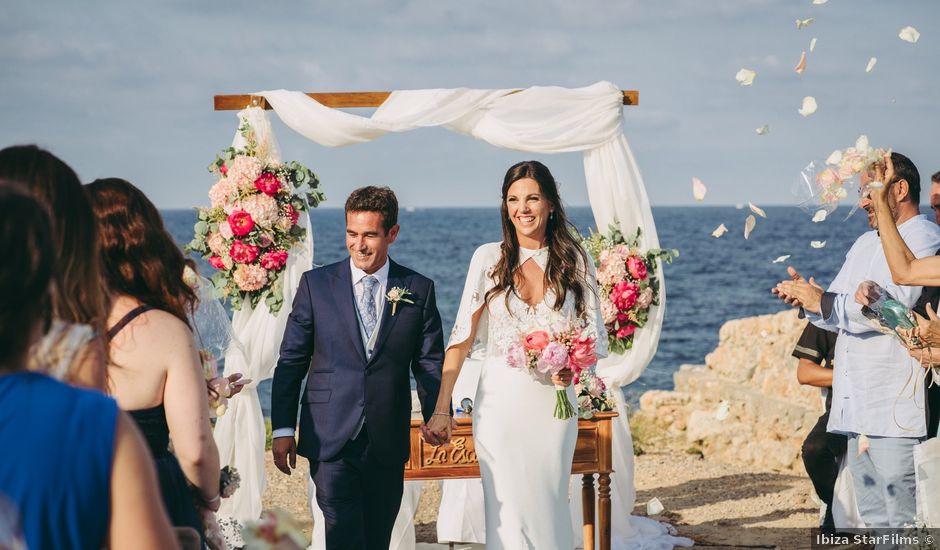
(57,446)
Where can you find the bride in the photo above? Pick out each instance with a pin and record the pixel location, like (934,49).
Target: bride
(536,276)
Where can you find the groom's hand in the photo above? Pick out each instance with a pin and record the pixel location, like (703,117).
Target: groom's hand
(284,449)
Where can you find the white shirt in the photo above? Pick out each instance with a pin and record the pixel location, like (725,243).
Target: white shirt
(873,386)
(368,343)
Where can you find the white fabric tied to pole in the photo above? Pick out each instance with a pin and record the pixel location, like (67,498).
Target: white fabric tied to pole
(537,120)
(239,433)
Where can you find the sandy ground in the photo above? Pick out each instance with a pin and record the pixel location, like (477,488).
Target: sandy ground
(717,505)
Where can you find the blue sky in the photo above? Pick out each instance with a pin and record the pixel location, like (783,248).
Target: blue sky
(125,89)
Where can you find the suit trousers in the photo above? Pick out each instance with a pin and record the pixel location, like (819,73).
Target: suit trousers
(359,496)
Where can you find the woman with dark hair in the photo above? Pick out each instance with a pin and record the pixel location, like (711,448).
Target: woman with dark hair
(155,373)
(80,298)
(537,276)
(73,466)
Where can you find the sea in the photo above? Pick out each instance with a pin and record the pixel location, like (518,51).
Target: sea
(712,281)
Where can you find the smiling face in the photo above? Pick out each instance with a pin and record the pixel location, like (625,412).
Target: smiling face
(367,240)
(528,210)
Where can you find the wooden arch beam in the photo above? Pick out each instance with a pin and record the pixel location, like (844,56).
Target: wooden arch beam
(338,100)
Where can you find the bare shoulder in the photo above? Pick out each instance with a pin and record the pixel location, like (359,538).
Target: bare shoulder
(159,331)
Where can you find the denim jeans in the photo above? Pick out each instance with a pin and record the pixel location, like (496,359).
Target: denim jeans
(884,480)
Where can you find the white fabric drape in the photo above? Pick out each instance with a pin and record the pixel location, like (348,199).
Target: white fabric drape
(538,120)
(239,433)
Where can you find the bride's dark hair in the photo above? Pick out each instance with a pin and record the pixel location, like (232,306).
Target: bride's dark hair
(567,259)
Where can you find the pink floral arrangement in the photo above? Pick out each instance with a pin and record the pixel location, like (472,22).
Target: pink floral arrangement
(251,225)
(627,283)
(592,394)
(543,354)
(842,169)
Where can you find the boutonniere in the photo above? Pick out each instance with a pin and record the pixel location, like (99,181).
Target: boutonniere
(398,294)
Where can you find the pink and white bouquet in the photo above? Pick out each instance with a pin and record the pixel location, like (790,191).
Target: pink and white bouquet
(627,281)
(544,353)
(252,224)
(592,394)
(822,185)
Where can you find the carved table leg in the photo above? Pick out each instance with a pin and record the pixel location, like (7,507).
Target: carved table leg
(587,510)
(604,511)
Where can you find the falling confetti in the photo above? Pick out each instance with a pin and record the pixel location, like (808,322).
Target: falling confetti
(756,210)
(818,244)
(745,77)
(749,224)
(909,34)
(801,66)
(763,130)
(719,231)
(819,2)
(698,189)
(781,259)
(803,23)
(835,158)
(654,507)
(722,411)
(871,64)
(820,216)
(812,45)
(809,106)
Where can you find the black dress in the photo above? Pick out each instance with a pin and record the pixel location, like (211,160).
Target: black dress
(174,487)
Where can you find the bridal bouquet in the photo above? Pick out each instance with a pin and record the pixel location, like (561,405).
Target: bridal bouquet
(543,354)
(251,226)
(823,185)
(592,394)
(626,281)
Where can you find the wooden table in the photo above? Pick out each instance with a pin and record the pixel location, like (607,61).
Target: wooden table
(592,455)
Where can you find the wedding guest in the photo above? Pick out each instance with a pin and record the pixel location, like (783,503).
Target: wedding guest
(935,195)
(156,374)
(875,367)
(80,297)
(822,451)
(74,466)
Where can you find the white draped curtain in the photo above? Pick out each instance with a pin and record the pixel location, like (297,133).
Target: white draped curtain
(537,120)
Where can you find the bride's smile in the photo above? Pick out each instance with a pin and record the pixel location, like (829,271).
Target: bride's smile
(529,212)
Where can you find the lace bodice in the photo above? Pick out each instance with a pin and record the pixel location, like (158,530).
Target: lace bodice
(502,322)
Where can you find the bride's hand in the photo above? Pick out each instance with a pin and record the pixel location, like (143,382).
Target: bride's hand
(438,429)
(563,378)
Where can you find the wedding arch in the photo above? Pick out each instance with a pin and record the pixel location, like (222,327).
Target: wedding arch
(535,120)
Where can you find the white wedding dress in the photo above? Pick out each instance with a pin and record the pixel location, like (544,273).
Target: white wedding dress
(525,453)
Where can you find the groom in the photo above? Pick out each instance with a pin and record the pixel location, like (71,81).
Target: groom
(356,329)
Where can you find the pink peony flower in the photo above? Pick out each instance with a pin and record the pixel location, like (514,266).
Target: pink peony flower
(645,299)
(216,243)
(243,171)
(225,230)
(537,340)
(293,214)
(263,209)
(268,183)
(216,262)
(624,294)
(583,353)
(516,356)
(608,311)
(274,260)
(250,277)
(221,193)
(626,331)
(554,357)
(243,253)
(637,268)
(241,223)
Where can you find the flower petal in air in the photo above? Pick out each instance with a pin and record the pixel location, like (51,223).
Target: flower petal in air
(909,34)
(745,77)
(819,2)
(812,44)
(749,224)
(801,66)
(835,158)
(820,216)
(719,231)
(871,64)
(809,106)
(781,259)
(818,244)
(763,130)
(756,210)
(698,189)
(803,23)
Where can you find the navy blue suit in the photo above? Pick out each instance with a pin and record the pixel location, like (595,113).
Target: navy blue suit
(359,481)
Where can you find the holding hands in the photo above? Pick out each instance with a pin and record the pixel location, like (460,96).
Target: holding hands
(798,292)
(438,430)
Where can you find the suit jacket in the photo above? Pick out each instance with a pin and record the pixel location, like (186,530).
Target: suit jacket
(322,341)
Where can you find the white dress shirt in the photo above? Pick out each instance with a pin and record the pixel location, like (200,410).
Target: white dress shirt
(368,341)
(877,388)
